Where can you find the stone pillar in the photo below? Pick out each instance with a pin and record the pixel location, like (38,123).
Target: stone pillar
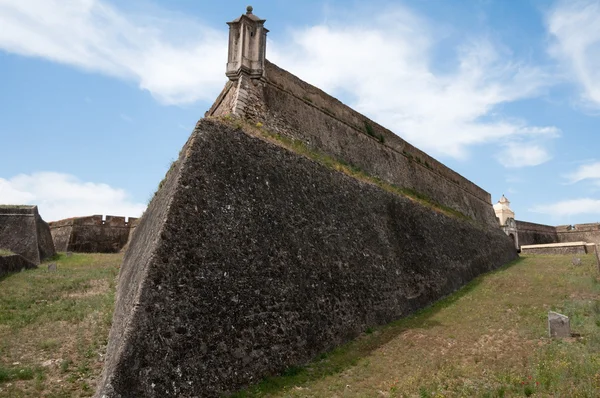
(247,46)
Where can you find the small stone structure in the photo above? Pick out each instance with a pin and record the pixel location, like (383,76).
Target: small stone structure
(252,258)
(559,325)
(11,262)
(557,248)
(24,232)
(91,234)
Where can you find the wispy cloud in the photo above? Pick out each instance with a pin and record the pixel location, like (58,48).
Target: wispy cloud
(585,172)
(522,154)
(386,66)
(569,207)
(575,29)
(153,50)
(61,196)
(126,117)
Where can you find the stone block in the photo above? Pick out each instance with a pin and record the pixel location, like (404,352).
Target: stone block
(559,325)
(576,261)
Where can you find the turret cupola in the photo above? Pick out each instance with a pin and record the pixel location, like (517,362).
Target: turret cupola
(247,46)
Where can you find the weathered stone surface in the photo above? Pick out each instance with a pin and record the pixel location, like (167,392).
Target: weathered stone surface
(91,234)
(576,261)
(14,263)
(52,267)
(556,248)
(296,109)
(23,231)
(251,259)
(559,325)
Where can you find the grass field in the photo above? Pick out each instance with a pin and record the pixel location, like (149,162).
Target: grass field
(54,326)
(487,340)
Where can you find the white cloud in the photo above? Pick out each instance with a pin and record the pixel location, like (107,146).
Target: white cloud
(569,207)
(585,172)
(576,32)
(522,154)
(61,196)
(387,67)
(156,52)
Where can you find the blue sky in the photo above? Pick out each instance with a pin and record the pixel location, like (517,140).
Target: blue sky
(97,97)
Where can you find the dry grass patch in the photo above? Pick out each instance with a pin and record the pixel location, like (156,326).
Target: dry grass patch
(54,326)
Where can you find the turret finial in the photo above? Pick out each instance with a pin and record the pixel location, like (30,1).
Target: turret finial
(249,10)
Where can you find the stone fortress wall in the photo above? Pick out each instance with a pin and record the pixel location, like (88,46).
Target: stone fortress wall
(93,234)
(536,234)
(539,234)
(24,232)
(252,258)
(579,232)
(294,108)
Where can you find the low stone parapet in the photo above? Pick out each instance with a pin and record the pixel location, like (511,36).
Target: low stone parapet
(558,248)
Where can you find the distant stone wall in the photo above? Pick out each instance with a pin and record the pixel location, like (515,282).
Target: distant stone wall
(14,263)
(579,232)
(91,234)
(535,234)
(24,232)
(251,259)
(294,108)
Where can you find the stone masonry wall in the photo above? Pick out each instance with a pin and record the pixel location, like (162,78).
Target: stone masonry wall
(294,108)
(91,234)
(535,234)
(579,232)
(251,259)
(580,249)
(24,232)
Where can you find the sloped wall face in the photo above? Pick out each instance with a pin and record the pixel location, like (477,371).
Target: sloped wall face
(45,242)
(61,234)
(23,231)
(535,234)
(295,108)
(251,259)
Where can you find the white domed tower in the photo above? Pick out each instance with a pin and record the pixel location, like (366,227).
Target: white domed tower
(503,211)
(506,217)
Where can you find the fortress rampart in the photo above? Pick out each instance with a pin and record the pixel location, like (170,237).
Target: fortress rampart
(252,258)
(23,231)
(538,234)
(294,108)
(93,234)
(579,232)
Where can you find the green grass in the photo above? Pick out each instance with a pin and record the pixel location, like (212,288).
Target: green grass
(4,252)
(54,326)
(489,339)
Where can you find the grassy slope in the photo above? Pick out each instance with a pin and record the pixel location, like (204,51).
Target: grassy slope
(54,325)
(489,339)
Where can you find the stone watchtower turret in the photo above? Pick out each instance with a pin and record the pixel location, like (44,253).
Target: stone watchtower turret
(247,46)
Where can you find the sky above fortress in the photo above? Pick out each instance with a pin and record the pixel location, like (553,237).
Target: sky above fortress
(97,97)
